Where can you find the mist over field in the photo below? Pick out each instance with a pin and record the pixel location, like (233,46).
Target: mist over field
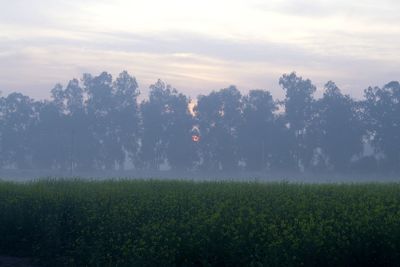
(273,91)
(199,133)
(98,127)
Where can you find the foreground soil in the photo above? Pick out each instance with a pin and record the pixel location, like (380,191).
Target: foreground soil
(15,262)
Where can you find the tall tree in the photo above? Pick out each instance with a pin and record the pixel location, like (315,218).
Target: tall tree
(99,105)
(167,128)
(76,130)
(125,114)
(112,108)
(339,129)
(18,115)
(48,137)
(257,133)
(383,109)
(219,117)
(298,105)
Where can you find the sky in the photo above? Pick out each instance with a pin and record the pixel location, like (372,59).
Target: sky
(199,46)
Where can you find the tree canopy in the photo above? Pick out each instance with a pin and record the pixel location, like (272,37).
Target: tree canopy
(98,123)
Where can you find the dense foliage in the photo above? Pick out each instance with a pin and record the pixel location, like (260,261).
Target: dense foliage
(154,223)
(98,123)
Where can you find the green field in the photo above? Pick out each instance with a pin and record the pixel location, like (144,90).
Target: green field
(178,223)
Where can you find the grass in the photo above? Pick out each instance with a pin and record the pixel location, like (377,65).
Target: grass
(181,223)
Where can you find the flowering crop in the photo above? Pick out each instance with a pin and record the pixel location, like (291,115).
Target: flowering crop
(181,223)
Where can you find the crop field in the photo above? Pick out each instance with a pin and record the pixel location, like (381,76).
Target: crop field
(182,223)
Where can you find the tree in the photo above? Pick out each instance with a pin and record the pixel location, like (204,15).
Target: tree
(339,129)
(76,132)
(219,117)
(298,113)
(383,109)
(99,103)
(97,123)
(257,133)
(167,129)
(125,114)
(48,137)
(18,116)
(113,112)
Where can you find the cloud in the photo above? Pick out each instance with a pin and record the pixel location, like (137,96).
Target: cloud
(385,10)
(181,60)
(247,43)
(300,7)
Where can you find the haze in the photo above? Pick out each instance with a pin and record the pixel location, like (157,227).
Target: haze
(198,46)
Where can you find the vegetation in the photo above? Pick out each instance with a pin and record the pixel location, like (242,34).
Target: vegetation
(98,123)
(177,223)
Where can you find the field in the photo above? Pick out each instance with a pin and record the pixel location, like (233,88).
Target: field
(181,223)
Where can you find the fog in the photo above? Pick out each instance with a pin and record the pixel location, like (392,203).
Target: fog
(20,176)
(101,127)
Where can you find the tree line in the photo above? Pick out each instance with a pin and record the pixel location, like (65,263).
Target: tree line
(98,123)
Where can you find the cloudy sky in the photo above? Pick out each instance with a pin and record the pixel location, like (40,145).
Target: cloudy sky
(202,45)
